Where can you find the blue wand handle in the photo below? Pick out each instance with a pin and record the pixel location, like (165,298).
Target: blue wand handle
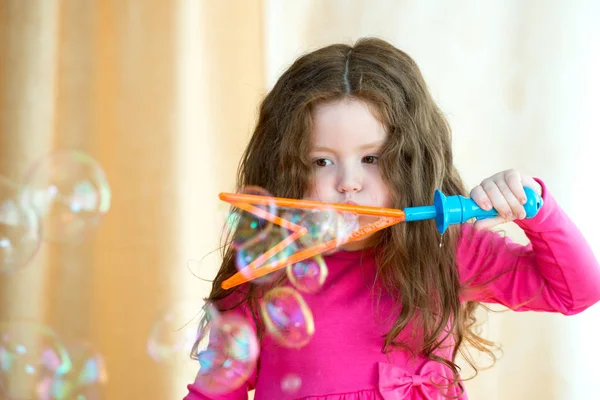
(449,210)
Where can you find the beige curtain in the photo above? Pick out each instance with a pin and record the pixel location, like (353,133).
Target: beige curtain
(162,94)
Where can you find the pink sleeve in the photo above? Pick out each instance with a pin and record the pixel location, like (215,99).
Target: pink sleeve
(241,392)
(556,272)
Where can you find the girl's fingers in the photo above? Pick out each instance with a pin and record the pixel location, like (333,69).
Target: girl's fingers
(512,191)
(481,198)
(497,194)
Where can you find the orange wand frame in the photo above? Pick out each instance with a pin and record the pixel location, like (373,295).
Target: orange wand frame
(446,211)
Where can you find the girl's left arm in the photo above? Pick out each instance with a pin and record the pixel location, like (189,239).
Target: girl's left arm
(556,272)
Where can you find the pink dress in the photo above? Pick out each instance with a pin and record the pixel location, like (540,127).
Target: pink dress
(557,272)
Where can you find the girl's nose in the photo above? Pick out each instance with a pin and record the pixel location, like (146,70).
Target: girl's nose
(349,182)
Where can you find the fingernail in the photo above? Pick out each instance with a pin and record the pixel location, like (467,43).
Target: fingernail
(523,200)
(522,215)
(487,206)
(509,215)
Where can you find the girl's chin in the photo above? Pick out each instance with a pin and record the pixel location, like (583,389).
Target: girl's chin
(357,244)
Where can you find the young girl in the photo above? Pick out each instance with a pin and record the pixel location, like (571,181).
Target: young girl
(357,124)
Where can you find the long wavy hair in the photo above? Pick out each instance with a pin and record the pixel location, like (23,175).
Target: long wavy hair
(412,268)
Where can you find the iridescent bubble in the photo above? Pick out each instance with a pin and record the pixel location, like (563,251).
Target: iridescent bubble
(291,383)
(32,359)
(321,227)
(247,227)
(91,378)
(308,275)
(325,225)
(20,231)
(347,224)
(247,254)
(292,215)
(175,331)
(69,191)
(84,381)
(287,317)
(231,355)
(295,216)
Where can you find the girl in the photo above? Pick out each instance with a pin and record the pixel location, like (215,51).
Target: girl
(357,124)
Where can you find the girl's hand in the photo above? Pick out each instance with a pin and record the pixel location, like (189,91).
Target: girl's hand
(504,192)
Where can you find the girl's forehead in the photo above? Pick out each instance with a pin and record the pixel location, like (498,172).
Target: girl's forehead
(344,123)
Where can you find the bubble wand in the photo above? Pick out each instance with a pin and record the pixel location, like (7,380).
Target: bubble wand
(446,210)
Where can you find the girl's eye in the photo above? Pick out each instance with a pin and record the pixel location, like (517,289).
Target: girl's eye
(322,162)
(371,159)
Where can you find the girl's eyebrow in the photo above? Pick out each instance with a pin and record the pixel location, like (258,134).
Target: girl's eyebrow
(375,145)
(323,149)
(368,146)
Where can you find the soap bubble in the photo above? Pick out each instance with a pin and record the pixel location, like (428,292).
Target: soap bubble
(69,191)
(308,275)
(326,225)
(20,231)
(84,381)
(248,228)
(247,254)
(287,317)
(231,355)
(32,359)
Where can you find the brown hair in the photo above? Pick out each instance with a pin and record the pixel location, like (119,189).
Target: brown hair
(421,276)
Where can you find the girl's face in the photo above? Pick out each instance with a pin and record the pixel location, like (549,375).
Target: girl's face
(345,145)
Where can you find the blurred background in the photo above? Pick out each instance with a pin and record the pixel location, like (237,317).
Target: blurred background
(162,97)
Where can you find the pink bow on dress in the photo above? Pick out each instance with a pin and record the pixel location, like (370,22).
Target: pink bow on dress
(396,383)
